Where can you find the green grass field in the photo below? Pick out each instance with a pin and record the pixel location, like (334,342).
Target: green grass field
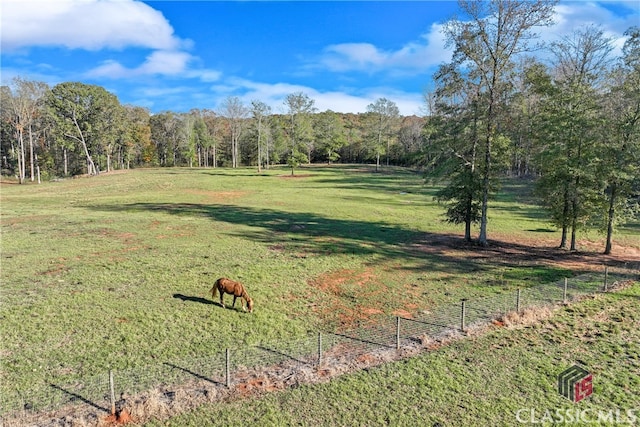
(113,272)
(506,377)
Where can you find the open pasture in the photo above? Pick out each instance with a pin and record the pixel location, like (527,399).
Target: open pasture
(113,272)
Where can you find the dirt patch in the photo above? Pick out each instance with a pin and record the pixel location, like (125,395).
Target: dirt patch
(117,419)
(346,297)
(350,298)
(403,313)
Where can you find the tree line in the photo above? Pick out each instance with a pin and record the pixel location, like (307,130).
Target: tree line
(76,128)
(570,122)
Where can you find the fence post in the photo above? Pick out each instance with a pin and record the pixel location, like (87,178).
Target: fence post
(564,291)
(463,313)
(319,348)
(397,332)
(606,277)
(227,368)
(113,393)
(518,301)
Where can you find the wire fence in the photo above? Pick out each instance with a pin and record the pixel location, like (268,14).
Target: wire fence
(207,377)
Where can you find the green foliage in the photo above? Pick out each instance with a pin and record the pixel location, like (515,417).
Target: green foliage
(295,159)
(462,194)
(87,118)
(329,135)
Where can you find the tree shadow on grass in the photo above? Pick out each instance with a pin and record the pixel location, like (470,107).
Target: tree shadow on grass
(309,234)
(300,230)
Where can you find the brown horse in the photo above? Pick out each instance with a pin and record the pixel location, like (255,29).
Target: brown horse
(228,286)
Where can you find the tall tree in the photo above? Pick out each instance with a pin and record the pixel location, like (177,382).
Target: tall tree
(299,107)
(236,113)
(139,147)
(455,130)
(23,108)
(620,165)
(329,134)
(214,132)
(84,115)
(261,113)
(495,33)
(385,116)
(570,119)
(166,130)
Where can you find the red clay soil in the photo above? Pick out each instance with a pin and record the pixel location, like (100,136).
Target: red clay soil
(118,419)
(338,287)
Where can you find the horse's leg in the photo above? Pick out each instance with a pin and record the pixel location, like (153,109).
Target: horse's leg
(234,301)
(222,298)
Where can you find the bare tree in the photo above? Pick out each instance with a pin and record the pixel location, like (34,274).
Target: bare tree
(260,112)
(235,112)
(386,115)
(23,107)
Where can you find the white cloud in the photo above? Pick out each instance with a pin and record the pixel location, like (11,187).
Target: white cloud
(85,24)
(158,62)
(578,15)
(342,101)
(418,55)
(166,63)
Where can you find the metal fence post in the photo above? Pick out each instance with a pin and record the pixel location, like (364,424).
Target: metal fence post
(319,348)
(518,301)
(227,368)
(564,291)
(113,393)
(397,332)
(463,313)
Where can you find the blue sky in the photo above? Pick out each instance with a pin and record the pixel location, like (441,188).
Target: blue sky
(178,55)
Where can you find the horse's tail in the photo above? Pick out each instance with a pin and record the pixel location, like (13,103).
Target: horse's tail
(214,289)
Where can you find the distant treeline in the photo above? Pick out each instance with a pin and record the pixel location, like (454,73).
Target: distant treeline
(572,123)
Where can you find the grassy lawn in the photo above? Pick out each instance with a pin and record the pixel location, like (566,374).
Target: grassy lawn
(113,272)
(505,377)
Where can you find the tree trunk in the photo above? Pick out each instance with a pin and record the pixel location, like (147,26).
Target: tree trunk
(467,231)
(31,154)
(487,165)
(66,162)
(91,167)
(21,160)
(565,219)
(563,238)
(259,150)
(610,218)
